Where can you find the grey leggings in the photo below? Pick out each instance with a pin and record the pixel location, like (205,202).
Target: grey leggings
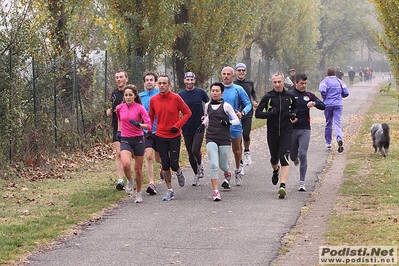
(218,158)
(299,148)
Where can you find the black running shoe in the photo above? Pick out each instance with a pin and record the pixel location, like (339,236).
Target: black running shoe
(340,146)
(275,176)
(120,186)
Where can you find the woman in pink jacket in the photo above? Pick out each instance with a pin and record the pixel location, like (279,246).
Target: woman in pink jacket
(132,118)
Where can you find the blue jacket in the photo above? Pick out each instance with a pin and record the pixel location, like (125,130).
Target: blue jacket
(236,96)
(332,91)
(145,99)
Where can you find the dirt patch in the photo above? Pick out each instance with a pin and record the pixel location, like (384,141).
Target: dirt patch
(307,235)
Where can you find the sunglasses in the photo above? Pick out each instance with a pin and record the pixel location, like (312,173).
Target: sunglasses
(240,70)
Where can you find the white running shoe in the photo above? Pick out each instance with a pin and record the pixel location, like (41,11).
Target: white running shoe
(196,181)
(200,171)
(216,196)
(247,158)
(242,168)
(129,187)
(139,197)
(238,177)
(301,186)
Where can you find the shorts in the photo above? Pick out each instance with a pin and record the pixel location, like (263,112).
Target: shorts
(135,145)
(235,131)
(150,143)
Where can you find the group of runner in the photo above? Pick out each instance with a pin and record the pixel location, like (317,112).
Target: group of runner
(149,125)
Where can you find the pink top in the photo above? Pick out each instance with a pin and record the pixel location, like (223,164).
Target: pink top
(135,111)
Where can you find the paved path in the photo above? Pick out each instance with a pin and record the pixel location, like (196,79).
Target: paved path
(245,228)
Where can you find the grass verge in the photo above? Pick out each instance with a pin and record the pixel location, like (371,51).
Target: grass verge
(367,209)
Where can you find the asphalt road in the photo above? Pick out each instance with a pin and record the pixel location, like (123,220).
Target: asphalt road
(245,228)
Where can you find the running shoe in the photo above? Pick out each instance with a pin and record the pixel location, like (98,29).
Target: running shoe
(238,177)
(247,158)
(216,196)
(340,146)
(226,184)
(196,181)
(200,171)
(328,146)
(180,178)
(129,187)
(242,168)
(120,185)
(282,193)
(301,186)
(226,180)
(275,176)
(139,197)
(296,162)
(151,189)
(169,195)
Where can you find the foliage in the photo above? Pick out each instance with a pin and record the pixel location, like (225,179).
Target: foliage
(341,25)
(289,39)
(388,38)
(210,35)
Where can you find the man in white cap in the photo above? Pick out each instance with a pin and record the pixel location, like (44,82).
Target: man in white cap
(246,121)
(194,97)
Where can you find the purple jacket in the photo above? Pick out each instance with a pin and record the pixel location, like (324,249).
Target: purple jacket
(332,91)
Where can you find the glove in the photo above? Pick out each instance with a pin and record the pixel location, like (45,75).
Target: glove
(149,135)
(292,116)
(274,111)
(134,123)
(201,128)
(174,130)
(118,136)
(225,123)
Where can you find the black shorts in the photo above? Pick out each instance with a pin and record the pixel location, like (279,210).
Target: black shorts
(150,143)
(135,145)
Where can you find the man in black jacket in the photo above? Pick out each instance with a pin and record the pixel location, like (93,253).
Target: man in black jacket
(279,107)
(301,126)
(246,121)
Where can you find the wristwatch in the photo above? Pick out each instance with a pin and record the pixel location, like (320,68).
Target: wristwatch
(242,112)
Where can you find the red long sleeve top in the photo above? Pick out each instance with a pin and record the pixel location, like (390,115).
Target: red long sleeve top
(167,108)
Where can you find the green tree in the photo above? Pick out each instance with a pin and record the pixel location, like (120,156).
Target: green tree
(287,33)
(342,25)
(388,38)
(210,34)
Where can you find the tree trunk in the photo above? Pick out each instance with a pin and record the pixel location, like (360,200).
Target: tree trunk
(181,48)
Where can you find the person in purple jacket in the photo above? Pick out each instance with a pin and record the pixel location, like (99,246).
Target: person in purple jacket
(332,91)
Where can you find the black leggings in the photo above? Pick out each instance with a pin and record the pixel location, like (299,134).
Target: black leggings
(193,146)
(279,147)
(246,128)
(169,151)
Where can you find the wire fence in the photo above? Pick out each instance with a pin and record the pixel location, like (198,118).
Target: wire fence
(58,105)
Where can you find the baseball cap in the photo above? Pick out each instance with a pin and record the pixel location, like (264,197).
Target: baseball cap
(292,69)
(189,75)
(241,65)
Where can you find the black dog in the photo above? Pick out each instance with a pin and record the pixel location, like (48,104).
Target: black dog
(381,138)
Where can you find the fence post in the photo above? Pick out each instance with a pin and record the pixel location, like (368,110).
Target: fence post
(55,105)
(9,109)
(34,104)
(105,84)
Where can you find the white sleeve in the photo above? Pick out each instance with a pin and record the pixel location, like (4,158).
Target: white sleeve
(206,120)
(230,112)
